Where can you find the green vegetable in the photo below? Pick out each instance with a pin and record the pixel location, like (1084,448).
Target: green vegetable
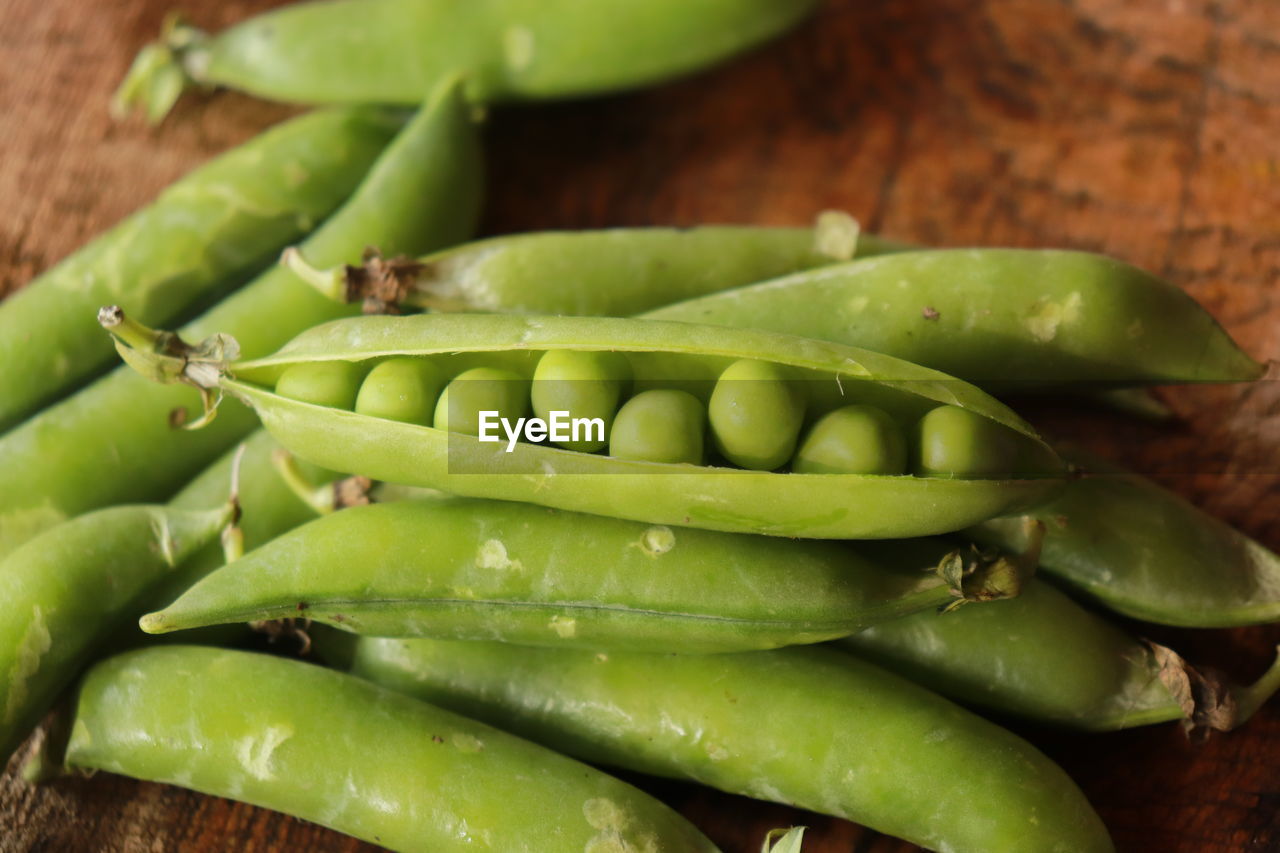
(400,389)
(343,753)
(1145,552)
(199,239)
(391,51)
(495,570)
(423,192)
(662,425)
(616,271)
(755,414)
(1045,657)
(809,727)
(853,440)
(808,505)
(586,385)
(477,390)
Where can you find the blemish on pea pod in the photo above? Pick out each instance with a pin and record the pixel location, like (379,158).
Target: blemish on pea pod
(1047,658)
(391,51)
(198,240)
(810,727)
(1146,552)
(341,752)
(659,354)
(71,589)
(610,272)
(1004,319)
(496,570)
(423,192)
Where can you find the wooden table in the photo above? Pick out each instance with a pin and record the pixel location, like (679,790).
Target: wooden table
(1148,130)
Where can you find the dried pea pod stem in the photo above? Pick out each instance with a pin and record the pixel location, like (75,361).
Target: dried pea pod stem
(346,754)
(423,192)
(198,239)
(391,51)
(1145,552)
(735,500)
(496,570)
(809,727)
(610,272)
(1047,658)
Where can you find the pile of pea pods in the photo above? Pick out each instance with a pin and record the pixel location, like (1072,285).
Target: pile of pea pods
(731,504)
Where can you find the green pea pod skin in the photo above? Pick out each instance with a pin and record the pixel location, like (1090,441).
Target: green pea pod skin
(69,589)
(824,506)
(335,750)
(1007,319)
(391,51)
(193,243)
(809,727)
(494,570)
(423,192)
(618,271)
(1142,551)
(1041,656)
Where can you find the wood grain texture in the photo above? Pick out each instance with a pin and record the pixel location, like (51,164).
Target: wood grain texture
(1147,130)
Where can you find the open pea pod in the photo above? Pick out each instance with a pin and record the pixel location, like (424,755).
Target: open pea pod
(497,570)
(813,505)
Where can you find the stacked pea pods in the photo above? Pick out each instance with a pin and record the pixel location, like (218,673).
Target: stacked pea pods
(735,505)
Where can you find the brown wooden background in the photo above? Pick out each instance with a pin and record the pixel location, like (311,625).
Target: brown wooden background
(1149,130)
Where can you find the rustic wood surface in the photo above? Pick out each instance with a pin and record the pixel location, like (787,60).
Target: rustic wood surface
(1147,130)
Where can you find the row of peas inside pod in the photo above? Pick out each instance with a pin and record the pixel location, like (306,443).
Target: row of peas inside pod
(756,414)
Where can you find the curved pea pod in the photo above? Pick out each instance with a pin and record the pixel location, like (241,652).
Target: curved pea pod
(341,752)
(495,570)
(1047,658)
(201,237)
(809,727)
(391,51)
(1006,319)
(610,272)
(1143,551)
(112,442)
(70,589)
(832,506)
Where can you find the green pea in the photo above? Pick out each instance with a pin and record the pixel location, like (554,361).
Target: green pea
(586,384)
(401,389)
(662,425)
(324,383)
(755,414)
(853,440)
(481,389)
(957,443)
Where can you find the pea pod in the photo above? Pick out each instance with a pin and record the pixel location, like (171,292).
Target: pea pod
(495,570)
(1047,658)
(111,442)
(391,51)
(1140,550)
(716,498)
(335,750)
(809,727)
(202,236)
(610,272)
(70,589)
(1004,319)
